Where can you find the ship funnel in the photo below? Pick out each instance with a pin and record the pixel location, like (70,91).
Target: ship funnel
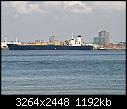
(79,40)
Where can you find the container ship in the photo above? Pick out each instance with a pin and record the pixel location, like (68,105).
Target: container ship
(72,44)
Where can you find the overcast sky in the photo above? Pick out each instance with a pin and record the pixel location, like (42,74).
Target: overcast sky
(38,20)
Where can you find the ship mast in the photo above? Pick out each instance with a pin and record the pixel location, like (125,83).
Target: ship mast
(16,39)
(72,35)
(5,38)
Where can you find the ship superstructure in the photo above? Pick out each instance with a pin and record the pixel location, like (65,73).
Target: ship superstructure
(75,42)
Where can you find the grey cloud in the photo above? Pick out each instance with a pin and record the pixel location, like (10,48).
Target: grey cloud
(27,7)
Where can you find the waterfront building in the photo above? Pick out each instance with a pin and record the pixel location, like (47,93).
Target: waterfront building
(102,38)
(104,35)
(96,40)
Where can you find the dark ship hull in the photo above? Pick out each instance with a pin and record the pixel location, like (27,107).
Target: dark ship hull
(47,47)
